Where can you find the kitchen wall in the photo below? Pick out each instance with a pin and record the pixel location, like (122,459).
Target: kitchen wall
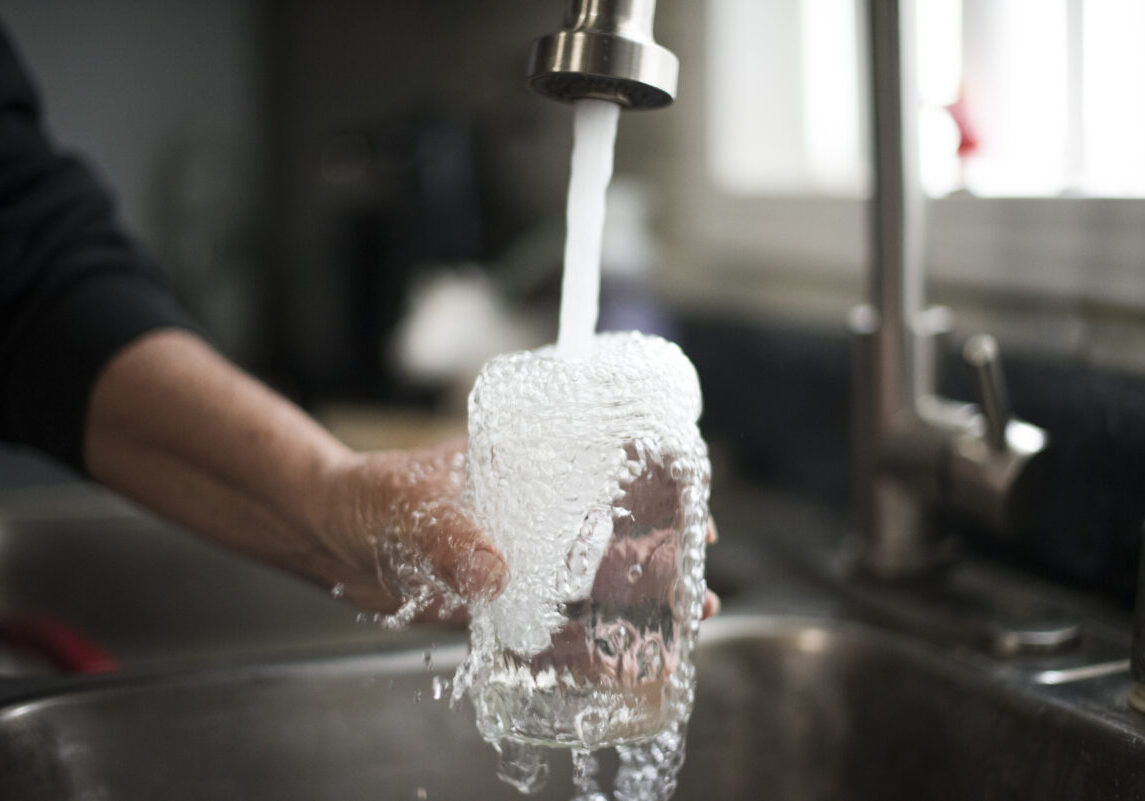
(351,71)
(127,83)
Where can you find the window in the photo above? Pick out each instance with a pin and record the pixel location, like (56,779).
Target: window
(1018,98)
(1032,134)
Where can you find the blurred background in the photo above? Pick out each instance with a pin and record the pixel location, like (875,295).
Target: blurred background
(360,201)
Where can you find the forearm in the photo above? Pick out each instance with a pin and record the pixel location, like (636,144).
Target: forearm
(178,429)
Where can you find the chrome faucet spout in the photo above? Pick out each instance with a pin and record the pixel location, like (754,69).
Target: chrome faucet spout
(605,51)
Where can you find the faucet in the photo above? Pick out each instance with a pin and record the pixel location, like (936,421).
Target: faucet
(914,451)
(605,50)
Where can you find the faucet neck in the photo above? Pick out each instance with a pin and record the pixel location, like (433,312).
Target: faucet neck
(895,289)
(630,18)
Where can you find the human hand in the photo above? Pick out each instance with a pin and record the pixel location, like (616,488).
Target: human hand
(625,631)
(405,548)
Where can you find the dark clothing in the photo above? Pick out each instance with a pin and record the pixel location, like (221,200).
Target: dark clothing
(74,289)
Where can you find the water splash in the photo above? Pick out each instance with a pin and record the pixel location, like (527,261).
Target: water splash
(523,766)
(585,769)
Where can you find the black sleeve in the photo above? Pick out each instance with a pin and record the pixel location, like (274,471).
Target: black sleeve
(74,289)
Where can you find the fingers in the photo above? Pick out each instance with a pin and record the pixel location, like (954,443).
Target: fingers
(411,499)
(711,600)
(464,558)
(395,510)
(711,605)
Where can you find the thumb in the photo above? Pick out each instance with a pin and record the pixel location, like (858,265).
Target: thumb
(464,557)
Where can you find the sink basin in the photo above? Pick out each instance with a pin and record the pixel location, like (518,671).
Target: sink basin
(149,593)
(786,709)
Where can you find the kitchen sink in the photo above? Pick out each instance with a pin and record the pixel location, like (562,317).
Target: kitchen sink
(238,682)
(787,708)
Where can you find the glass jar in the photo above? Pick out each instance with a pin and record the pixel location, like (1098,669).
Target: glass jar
(591,477)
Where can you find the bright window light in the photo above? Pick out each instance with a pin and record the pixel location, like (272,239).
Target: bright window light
(830,97)
(1113,36)
(756,134)
(1015,83)
(1017,97)
(940,86)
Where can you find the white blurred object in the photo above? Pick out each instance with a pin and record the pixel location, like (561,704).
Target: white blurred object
(629,249)
(1053,88)
(456,322)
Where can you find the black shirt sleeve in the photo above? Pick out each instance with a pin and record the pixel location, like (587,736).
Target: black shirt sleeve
(74,288)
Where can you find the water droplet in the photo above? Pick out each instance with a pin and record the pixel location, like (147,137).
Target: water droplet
(338,590)
(524,766)
(634,573)
(585,767)
(427,658)
(417,696)
(440,687)
(360,617)
(421,794)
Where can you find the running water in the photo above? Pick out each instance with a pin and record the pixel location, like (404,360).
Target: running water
(586,469)
(594,139)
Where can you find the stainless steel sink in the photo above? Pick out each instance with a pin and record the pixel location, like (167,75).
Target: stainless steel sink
(150,593)
(786,709)
(797,698)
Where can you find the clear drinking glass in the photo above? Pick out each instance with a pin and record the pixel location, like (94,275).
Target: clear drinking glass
(599,502)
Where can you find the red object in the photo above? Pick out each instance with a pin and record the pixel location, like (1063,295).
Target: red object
(65,646)
(968,139)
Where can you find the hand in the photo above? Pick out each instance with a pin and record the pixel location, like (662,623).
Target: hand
(394,509)
(620,634)
(404,545)
(711,600)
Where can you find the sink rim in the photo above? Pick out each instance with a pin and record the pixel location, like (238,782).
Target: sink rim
(405,653)
(1094,699)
